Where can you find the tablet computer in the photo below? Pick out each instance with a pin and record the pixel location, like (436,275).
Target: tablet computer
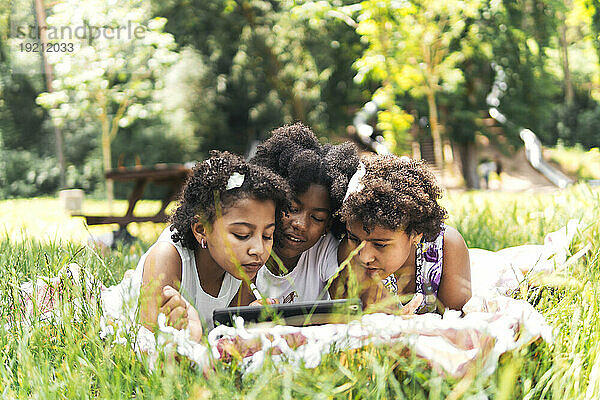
(296,314)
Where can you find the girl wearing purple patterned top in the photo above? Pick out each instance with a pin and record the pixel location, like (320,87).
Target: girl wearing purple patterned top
(391,208)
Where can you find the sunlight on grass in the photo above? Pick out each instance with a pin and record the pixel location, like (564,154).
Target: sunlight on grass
(43,219)
(576,161)
(67,359)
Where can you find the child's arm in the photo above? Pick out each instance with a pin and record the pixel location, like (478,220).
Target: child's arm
(180,313)
(455,284)
(159,292)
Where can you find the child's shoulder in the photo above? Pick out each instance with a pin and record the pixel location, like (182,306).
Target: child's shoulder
(164,250)
(164,258)
(166,238)
(452,237)
(454,245)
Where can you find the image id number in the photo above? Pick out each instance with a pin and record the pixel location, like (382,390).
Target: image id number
(48,48)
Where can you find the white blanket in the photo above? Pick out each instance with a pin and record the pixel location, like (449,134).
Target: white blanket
(450,343)
(500,272)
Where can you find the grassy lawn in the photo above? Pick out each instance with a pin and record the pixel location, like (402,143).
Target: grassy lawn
(576,161)
(43,219)
(69,360)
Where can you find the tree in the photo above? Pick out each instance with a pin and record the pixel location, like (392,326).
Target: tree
(520,37)
(409,51)
(442,52)
(110,77)
(516,37)
(26,147)
(271,66)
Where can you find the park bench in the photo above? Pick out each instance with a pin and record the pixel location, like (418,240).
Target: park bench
(171,175)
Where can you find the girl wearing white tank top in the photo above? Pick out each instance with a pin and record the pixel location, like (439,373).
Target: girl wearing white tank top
(304,256)
(220,235)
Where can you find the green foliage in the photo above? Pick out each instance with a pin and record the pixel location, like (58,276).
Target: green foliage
(108,76)
(227,72)
(26,174)
(578,122)
(189,103)
(272,64)
(520,39)
(103,86)
(444,50)
(110,79)
(26,165)
(410,52)
(593,7)
(17,97)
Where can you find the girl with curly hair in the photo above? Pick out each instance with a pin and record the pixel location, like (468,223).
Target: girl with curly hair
(392,209)
(305,252)
(221,234)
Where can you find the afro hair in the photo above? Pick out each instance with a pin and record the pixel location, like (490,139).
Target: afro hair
(397,193)
(294,152)
(207,186)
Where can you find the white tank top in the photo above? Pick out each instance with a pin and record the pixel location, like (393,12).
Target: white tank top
(190,283)
(307,280)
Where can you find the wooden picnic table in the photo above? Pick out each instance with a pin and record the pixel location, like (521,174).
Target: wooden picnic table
(171,175)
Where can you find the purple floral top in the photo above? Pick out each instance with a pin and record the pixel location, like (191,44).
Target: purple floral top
(429,260)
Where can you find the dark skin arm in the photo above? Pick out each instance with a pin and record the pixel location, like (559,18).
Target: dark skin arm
(160,292)
(455,284)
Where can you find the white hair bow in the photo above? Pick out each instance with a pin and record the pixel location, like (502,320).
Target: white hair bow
(354,185)
(235,180)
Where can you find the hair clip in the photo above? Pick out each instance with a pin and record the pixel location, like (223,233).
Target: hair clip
(354,186)
(235,180)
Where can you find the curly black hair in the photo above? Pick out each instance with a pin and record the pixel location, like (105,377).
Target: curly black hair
(294,152)
(397,193)
(207,184)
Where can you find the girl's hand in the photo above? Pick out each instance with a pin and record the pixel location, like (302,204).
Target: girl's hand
(412,305)
(261,302)
(180,313)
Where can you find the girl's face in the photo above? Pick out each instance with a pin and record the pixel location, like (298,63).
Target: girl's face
(242,235)
(308,219)
(385,250)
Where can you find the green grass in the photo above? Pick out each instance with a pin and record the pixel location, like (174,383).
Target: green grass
(43,219)
(576,161)
(69,360)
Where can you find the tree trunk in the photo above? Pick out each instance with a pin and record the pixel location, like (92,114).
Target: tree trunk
(562,39)
(40,14)
(468,164)
(435,133)
(106,154)
(110,128)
